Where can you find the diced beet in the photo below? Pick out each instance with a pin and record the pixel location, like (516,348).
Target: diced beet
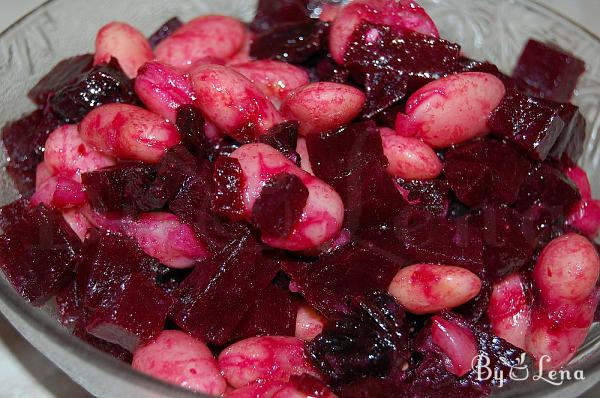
(546,71)
(119,189)
(12,213)
(175,168)
(64,73)
(372,340)
(280,205)
(533,125)
(419,58)
(227,200)
(190,124)
(508,237)
(224,147)
(310,386)
(106,261)
(284,138)
(135,316)
(38,252)
(103,84)
(24,141)
(294,43)
(431,239)
(273,314)
(112,349)
(431,196)
(216,296)
(270,14)
(327,70)
(164,31)
(470,65)
(68,305)
(484,171)
(572,139)
(387,118)
(330,283)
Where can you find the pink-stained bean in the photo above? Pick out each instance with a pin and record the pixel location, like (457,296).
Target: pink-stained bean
(42,174)
(401,15)
(276,79)
(409,158)
(104,222)
(77,221)
(128,132)
(124,42)
(322,218)
(233,103)
(566,271)
(309,323)
(203,62)
(302,150)
(457,342)
(243,56)
(164,237)
(212,132)
(65,153)
(60,192)
(429,288)
(452,109)
(264,358)
(554,338)
(329,12)
(163,89)
(323,106)
(207,36)
(509,310)
(260,389)
(585,216)
(180,359)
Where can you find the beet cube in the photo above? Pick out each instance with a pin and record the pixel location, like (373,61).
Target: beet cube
(280,205)
(284,138)
(229,180)
(24,141)
(294,43)
(119,189)
(470,65)
(64,73)
(37,252)
(485,171)
(533,125)
(103,84)
(419,58)
(546,71)
(136,315)
(270,14)
(430,239)
(212,301)
(572,139)
(431,196)
(164,31)
(112,349)
(12,213)
(273,314)
(327,70)
(190,124)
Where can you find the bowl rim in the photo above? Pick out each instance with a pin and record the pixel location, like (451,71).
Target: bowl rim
(41,322)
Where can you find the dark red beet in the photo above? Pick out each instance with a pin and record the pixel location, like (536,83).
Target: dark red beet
(68,305)
(119,189)
(470,65)
(284,138)
(294,43)
(280,205)
(572,139)
(37,252)
(190,124)
(136,314)
(430,239)
(546,71)
(213,300)
(377,49)
(224,147)
(485,171)
(431,196)
(372,340)
(64,73)
(24,141)
(175,168)
(112,349)
(533,125)
(12,213)
(103,84)
(273,314)
(164,31)
(387,118)
(310,385)
(330,283)
(270,14)
(227,200)
(327,70)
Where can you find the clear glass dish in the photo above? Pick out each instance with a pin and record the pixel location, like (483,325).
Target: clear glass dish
(493,29)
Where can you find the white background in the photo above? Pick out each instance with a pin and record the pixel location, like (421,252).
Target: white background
(26,373)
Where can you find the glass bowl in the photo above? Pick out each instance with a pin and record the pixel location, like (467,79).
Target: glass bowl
(495,30)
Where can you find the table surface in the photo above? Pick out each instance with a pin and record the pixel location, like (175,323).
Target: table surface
(24,372)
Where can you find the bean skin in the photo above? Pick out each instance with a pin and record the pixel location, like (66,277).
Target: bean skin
(457,342)
(452,109)
(429,288)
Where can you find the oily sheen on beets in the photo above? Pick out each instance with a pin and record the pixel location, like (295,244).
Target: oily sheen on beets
(270,167)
